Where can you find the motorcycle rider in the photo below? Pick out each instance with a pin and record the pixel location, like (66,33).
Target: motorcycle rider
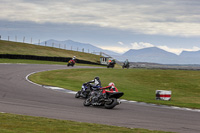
(111,87)
(107,98)
(74,59)
(96,84)
(126,62)
(111,63)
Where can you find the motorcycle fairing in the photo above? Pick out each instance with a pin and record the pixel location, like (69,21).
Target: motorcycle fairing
(114,94)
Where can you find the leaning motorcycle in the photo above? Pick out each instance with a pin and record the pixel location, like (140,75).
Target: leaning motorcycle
(85,91)
(71,63)
(108,99)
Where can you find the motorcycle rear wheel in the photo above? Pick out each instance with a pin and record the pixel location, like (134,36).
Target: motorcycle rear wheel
(110,105)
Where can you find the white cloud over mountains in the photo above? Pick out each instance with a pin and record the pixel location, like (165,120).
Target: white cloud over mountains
(178,50)
(141,45)
(155,17)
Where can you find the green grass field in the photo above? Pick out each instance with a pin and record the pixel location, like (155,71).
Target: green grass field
(137,84)
(10,123)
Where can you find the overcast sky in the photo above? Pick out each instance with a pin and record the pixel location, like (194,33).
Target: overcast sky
(119,25)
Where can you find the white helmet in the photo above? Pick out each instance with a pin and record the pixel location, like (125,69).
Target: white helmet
(111,84)
(74,57)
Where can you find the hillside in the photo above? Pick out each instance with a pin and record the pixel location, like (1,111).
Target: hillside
(8,47)
(77,46)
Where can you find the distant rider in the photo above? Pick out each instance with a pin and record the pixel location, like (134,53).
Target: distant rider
(74,59)
(126,62)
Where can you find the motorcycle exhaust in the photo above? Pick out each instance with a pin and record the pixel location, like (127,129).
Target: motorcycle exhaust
(118,101)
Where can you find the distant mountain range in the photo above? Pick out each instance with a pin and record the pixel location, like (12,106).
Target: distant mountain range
(157,55)
(151,54)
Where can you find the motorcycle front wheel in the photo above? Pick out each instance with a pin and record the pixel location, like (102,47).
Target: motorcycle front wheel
(77,95)
(87,102)
(111,104)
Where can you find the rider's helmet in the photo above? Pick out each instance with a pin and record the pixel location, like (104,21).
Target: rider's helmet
(74,57)
(97,78)
(111,84)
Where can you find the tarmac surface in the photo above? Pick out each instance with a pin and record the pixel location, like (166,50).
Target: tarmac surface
(18,96)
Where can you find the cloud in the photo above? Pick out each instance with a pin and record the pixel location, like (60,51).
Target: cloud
(177,51)
(155,17)
(141,45)
(115,48)
(121,43)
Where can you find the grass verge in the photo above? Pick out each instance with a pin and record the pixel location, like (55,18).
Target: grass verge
(10,123)
(137,84)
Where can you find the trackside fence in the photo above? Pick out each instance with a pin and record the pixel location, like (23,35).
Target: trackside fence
(47,44)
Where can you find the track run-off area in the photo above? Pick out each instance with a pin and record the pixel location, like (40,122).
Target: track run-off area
(18,96)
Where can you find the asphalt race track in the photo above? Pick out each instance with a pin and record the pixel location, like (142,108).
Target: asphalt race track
(19,96)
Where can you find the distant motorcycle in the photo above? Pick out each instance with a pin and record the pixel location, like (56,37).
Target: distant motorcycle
(111,64)
(125,66)
(71,63)
(108,99)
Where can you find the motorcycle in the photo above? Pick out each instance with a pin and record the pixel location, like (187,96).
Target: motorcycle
(125,66)
(85,91)
(107,99)
(111,64)
(71,63)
